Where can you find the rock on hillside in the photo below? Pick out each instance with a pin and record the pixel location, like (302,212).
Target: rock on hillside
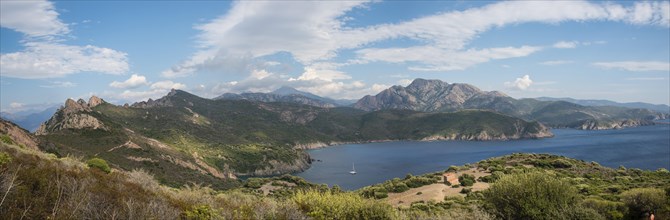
(73,115)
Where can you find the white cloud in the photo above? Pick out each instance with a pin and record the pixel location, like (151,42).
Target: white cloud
(314,33)
(156,90)
(556,62)
(34,18)
(59,84)
(50,60)
(404,82)
(133,82)
(167,85)
(16,105)
(44,56)
(436,59)
(635,66)
(520,83)
(566,44)
(647,78)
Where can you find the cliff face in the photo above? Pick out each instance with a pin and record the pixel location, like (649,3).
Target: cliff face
(73,115)
(277,167)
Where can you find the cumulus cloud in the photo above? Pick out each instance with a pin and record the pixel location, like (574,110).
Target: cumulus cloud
(167,84)
(133,82)
(635,66)
(520,83)
(33,18)
(44,55)
(50,60)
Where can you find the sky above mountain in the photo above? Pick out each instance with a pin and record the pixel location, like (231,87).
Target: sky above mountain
(129,51)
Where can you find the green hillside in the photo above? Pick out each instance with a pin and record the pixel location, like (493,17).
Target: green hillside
(220,139)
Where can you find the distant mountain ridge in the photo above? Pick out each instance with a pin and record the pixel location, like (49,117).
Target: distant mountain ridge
(439,96)
(287,94)
(29,120)
(594,102)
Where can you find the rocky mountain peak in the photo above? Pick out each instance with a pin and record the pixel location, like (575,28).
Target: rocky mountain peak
(95,101)
(422,84)
(422,95)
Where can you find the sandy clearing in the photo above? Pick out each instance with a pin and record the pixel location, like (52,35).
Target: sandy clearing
(435,192)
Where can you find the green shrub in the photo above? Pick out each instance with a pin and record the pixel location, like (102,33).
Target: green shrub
(607,209)
(200,212)
(466,180)
(534,195)
(381,195)
(643,201)
(254,183)
(326,205)
(4,158)
(400,187)
(99,164)
(466,190)
(6,139)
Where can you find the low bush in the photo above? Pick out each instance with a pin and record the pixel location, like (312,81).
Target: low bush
(99,164)
(326,205)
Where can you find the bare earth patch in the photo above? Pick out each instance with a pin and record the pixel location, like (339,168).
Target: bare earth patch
(435,192)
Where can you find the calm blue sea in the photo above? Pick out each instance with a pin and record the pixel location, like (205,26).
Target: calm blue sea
(645,147)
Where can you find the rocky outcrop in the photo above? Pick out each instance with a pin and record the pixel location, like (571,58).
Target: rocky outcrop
(94,101)
(18,135)
(424,95)
(73,115)
(618,124)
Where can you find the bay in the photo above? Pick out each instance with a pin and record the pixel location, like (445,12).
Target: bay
(646,147)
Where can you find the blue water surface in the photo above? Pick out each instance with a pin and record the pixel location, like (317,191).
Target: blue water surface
(646,147)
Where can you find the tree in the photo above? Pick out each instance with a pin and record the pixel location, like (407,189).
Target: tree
(643,201)
(535,195)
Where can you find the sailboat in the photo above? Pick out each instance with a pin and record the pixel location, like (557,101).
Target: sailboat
(353,169)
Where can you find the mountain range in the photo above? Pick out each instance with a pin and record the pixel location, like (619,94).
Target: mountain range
(182,137)
(438,96)
(29,120)
(288,94)
(593,102)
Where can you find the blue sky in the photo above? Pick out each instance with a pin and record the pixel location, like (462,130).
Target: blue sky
(130,51)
